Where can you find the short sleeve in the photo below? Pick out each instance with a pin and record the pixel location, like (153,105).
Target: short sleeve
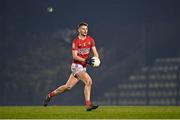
(74,45)
(92,42)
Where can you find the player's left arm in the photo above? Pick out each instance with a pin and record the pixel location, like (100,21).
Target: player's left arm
(93,47)
(94,50)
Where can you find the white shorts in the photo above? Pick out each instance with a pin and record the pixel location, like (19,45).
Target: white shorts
(75,68)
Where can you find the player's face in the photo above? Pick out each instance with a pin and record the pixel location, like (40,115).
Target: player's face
(83,30)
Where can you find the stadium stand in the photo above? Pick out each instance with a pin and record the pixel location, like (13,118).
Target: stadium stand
(158,84)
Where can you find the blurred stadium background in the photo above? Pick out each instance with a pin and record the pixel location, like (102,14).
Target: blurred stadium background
(138,41)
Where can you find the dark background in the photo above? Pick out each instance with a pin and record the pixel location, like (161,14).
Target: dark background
(35,45)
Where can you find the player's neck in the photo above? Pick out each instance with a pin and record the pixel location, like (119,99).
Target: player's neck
(82,37)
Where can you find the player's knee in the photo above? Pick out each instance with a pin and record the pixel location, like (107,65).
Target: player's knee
(89,83)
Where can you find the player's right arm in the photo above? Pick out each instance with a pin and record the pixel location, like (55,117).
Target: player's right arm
(75,53)
(76,57)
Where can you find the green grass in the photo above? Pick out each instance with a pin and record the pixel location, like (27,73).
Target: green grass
(78,112)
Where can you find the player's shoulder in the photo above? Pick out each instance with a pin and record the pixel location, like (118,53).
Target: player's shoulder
(75,39)
(90,37)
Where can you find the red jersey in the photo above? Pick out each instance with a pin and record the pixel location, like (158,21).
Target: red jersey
(83,47)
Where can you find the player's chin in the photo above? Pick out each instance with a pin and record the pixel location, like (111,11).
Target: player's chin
(85,34)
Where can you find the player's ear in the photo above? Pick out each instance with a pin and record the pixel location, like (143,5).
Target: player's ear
(78,29)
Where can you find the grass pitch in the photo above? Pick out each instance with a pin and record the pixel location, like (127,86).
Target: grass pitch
(78,112)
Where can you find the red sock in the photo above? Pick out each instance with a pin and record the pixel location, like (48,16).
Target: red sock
(88,103)
(52,94)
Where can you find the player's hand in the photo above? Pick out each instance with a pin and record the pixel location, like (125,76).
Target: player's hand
(89,61)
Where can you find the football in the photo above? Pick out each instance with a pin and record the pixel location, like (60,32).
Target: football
(96,62)
(50,9)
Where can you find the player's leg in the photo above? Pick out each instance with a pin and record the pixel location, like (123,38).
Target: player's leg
(66,87)
(84,76)
(72,81)
(88,82)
